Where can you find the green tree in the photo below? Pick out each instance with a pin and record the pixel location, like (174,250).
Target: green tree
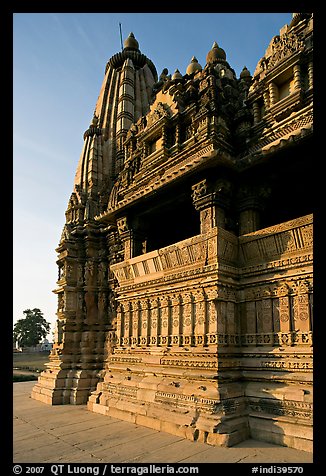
(29,331)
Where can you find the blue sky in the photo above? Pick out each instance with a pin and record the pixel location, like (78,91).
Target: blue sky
(58,68)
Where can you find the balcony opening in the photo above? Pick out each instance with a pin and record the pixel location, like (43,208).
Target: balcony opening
(292,186)
(167,219)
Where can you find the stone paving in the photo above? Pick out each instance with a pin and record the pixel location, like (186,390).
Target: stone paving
(72,434)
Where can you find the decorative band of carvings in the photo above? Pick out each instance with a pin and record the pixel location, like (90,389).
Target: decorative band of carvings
(185,401)
(178,362)
(278,338)
(206,405)
(278,242)
(281,263)
(131,360)
(282,407)
(167,340)
(188,398)
(260,339)
(121,390)
(176,277)
(283,364)
(280,228)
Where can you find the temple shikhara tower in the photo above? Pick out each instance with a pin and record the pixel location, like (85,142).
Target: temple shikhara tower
(185,261)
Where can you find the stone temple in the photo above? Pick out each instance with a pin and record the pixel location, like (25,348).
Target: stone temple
(185,262)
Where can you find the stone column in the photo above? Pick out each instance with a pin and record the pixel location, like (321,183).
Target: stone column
(187,318)
(126,324)
(120,323)
(126,237)
(212,316)
(132,239)
(211,200)
(200,317)
(273,93)
(154,321)
(266,97)
(297,76)
(135,323)
(250,204)
(256,111)
(301,307)
(144,322)
(175,318)
(283,308)
(310,74)
(165,321)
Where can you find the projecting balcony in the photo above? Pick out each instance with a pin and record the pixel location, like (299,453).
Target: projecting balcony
(275,247)
(194,253)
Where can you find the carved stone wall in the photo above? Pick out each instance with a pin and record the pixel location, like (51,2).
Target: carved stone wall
(84,318)
(201,320)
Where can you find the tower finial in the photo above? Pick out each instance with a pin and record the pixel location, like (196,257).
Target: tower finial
(131,43)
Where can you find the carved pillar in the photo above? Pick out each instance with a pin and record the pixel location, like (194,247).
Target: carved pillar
(211,200)
(297,76)
(310,74)
(284,315)
(256,111)
(273,93)
(126,237)
(132,239)
(144,322)
(134,323)
(301,308)
(200,318)
(120,323)
(165,321)
(176,320)
(251,320)
(264,312)
(249,220)
(250,204)
(179,135)
(212,315)
(154,321)
(187,318)
(266,99)
(128,325)
(139,322)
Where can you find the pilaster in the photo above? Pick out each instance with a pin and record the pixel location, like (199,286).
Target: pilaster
(211,199)
(251,202)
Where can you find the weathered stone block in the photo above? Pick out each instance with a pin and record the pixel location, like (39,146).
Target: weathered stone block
(148,421)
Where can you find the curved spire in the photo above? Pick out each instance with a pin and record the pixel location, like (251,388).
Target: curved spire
(124,97)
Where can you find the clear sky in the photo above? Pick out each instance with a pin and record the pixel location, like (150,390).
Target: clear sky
(58,68)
